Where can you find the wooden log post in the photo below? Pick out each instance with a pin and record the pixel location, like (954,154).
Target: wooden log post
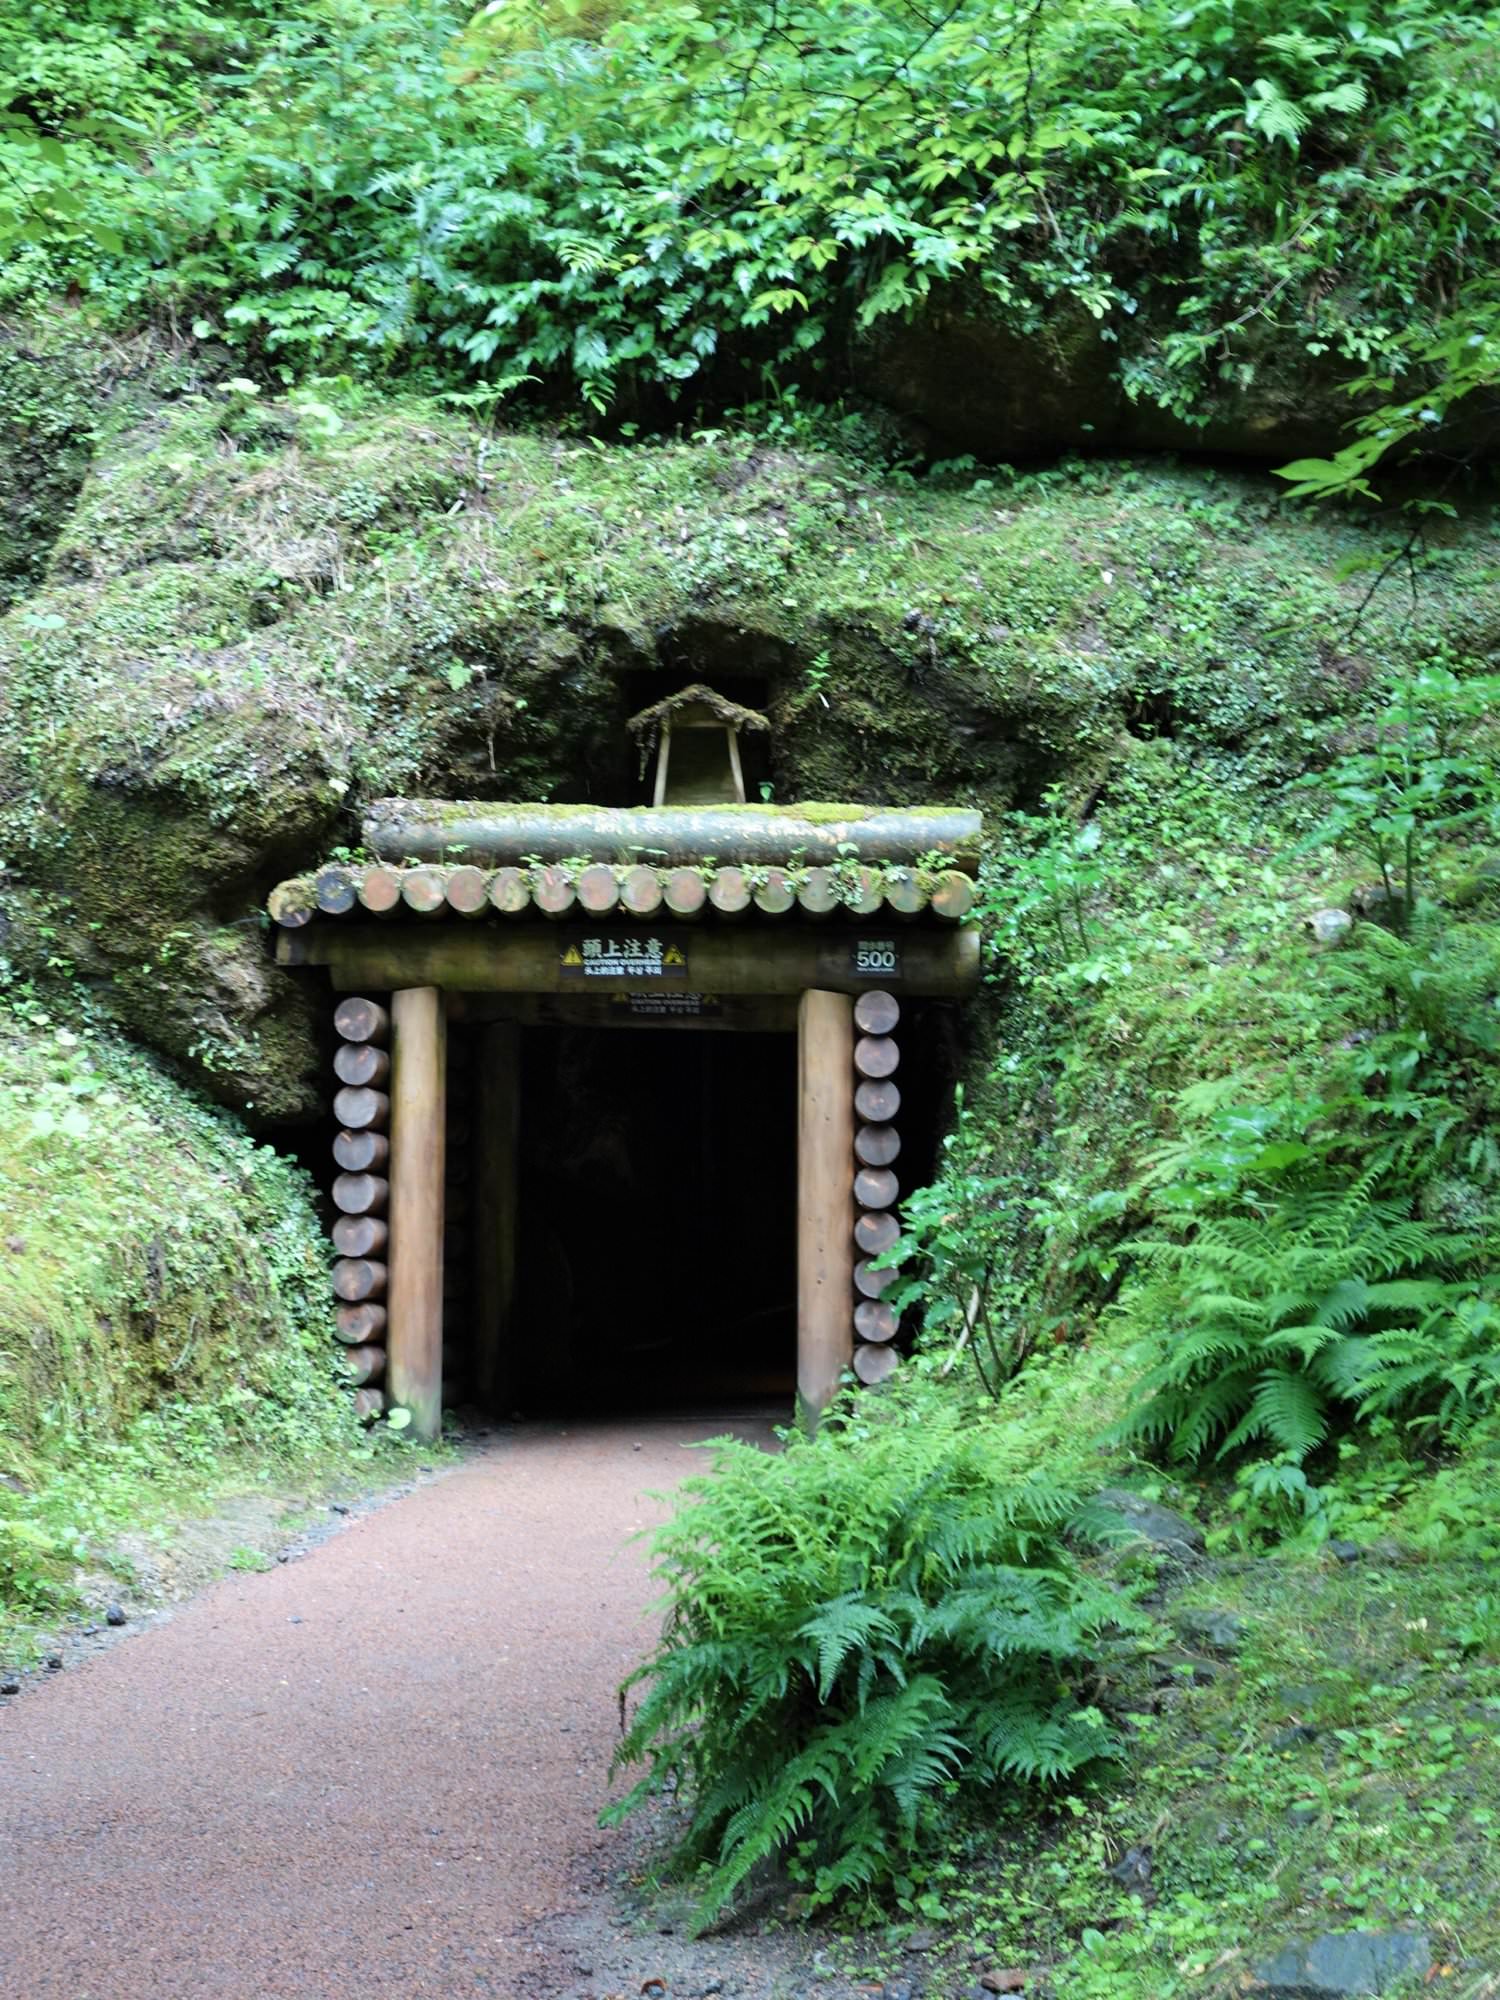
(357,1279)
(496,1191)
(775,896)
(640,891)
(467,891)
(379,890)
(818,892)
(356,1324)
(360,1194)
(553,892)
(364,1364)
(361,1152)
(510,891)
(292,903)
(876,1145)
(685,892)
(598,890)
(874,1232)
(492,834)
(361,1062)
(414,1293)
(424,890)
(359,1236)
(729,891)
(825,1205)
(334,891)
(359,1020)
(357,1107)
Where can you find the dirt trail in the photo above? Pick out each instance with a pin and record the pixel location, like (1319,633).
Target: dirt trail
(373,1771)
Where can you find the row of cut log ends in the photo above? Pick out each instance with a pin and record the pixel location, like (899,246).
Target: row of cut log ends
(876,1146)
(602,890)
(360,1193)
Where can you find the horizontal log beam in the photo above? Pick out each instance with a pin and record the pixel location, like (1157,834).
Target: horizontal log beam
(942,964)
(487,835)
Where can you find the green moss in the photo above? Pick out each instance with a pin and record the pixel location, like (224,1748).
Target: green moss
(152,1251)
(253,628)
(48,413)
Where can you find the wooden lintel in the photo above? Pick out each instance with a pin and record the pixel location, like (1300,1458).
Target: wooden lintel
(785,959)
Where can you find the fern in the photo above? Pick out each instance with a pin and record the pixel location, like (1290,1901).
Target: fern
(1274,1327)
(852,1628)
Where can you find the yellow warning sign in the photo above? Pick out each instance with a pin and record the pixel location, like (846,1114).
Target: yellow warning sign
(621,956)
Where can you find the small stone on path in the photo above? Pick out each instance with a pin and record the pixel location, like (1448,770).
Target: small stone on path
(115,1615)
(1330,926)
(1159,1526)
(1217,1631)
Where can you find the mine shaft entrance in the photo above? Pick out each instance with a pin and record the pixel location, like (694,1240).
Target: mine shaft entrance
(617,1209)
(656,1219)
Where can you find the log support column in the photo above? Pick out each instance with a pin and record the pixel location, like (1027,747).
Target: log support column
(825,1197)
(414,1372)
(499,1114)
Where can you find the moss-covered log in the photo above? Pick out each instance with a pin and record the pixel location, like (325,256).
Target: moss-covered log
(438,830)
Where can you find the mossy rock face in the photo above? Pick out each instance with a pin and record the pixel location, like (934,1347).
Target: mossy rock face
(259,616)
(977,385)
(153,1254)
(47,415)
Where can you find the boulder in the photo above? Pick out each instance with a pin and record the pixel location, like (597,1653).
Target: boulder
(1345,1965)
(977,384)
(1132,1514)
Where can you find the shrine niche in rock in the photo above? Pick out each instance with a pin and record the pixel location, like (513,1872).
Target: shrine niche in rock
(623,1095)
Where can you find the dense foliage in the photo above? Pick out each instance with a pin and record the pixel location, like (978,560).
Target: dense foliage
(1294,1219)
(677,199)
(857,1628)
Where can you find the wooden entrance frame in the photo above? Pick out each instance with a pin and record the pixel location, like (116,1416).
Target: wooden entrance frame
(771,943)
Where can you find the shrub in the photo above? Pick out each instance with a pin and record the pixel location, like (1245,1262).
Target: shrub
(872,1620)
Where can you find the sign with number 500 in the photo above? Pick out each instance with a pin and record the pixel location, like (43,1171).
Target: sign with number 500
(876,958)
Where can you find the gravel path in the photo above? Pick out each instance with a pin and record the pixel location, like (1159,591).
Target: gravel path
(376,1770)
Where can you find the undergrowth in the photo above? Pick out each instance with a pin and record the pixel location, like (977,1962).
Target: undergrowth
(860,1629)
(1219,1215)
(627,203)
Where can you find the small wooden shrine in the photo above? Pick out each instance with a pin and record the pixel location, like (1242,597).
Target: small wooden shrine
(701,911)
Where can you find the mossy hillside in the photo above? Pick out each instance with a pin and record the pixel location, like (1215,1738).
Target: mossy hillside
(1333,1768)
(65,388)
(162,1288)
(261,615)
(48,409)
(1186,987)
